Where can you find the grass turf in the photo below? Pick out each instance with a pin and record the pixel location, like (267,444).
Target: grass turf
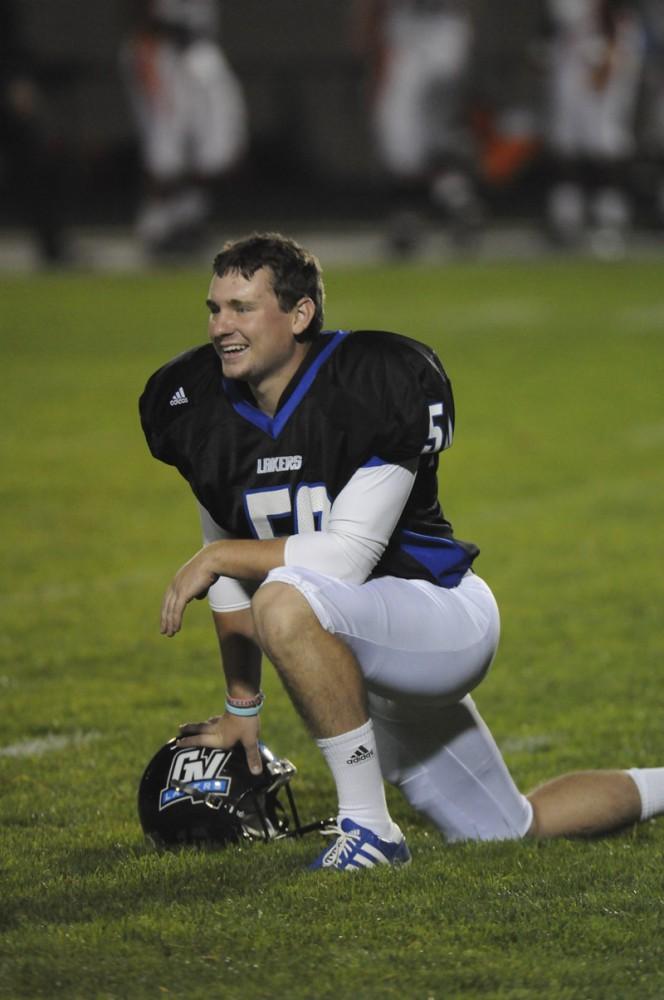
(557,473)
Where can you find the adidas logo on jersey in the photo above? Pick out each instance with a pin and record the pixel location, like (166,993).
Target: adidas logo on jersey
(179,397)
(284,463)
(360,755)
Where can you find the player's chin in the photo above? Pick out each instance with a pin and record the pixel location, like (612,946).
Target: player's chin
(234,366)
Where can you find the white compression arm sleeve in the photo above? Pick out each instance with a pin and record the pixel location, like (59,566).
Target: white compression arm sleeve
(361,521)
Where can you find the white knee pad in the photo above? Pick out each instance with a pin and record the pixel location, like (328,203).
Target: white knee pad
(447,765)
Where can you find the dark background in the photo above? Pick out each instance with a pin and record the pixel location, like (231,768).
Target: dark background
(311,150)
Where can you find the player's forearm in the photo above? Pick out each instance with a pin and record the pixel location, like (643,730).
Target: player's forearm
(244,559)
(240,655)
(241,662)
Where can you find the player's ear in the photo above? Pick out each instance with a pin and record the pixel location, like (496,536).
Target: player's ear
(303,313)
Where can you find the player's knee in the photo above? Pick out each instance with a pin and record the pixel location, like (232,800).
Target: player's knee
(281,617)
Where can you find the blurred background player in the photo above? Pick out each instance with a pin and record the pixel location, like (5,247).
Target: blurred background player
(595,59)
(420,53)
(190,116)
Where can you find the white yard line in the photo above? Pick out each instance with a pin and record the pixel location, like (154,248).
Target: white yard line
(46,744)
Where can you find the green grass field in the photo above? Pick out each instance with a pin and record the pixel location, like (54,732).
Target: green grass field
(557,473)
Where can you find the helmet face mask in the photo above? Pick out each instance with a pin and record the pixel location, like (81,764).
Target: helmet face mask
(206,796)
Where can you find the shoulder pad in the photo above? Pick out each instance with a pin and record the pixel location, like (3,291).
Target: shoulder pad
(402,389)
(395,349)
(174,390)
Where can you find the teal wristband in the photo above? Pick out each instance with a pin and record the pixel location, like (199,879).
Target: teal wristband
(245,706)
(234,710)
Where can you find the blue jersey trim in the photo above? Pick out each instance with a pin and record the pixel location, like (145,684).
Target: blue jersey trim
(443,558)
(274,425)
(374,461)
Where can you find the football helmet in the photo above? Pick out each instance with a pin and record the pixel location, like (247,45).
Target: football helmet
(202,795)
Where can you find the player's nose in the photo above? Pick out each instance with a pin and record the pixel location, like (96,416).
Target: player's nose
(220,323)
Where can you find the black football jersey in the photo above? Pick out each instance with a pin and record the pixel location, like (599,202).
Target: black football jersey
(359,398)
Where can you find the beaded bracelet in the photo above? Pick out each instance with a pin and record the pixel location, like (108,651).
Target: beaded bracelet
(245,706)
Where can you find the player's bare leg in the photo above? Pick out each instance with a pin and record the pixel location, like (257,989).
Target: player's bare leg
(320,673)
(585,803)
(325,684)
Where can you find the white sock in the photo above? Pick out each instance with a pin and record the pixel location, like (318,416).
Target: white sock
(650,783)
(353,760)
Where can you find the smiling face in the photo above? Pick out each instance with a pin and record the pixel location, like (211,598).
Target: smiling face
(253,336)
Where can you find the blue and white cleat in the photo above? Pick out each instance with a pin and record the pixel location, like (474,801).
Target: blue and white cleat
(356,847)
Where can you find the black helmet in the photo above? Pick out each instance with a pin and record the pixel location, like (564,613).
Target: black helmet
(201,795)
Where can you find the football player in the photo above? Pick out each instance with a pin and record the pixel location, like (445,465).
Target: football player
(419,53)
(595,64)
(190,115)
(313,455)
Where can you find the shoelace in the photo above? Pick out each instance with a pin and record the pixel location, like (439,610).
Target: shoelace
(343,845)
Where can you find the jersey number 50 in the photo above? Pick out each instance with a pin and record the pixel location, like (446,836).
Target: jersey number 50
(272,513)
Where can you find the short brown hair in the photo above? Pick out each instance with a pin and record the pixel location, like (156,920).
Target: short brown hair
(295,271)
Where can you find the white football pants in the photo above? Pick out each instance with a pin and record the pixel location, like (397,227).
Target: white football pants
(588,120)
(188,105)
(422,649)
(418,104)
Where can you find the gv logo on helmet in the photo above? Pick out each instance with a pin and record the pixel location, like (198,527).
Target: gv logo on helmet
(202,770)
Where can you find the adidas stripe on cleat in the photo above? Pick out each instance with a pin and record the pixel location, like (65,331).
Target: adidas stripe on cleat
(355,848)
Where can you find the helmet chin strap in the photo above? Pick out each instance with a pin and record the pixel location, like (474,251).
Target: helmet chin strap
(282,770)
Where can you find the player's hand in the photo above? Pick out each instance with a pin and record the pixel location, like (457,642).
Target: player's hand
(225,731)
(194,579)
